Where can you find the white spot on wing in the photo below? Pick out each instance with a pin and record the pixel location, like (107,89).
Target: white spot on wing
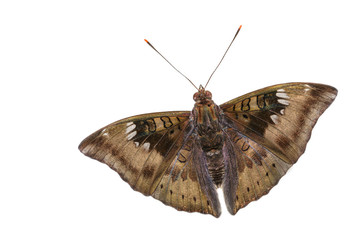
(129,123)
(131,135)
(275,118)
(283,101)
(280,90)
(282,111)
(104,132)
(146,146)
(282,95)
(130,128)
(136,144)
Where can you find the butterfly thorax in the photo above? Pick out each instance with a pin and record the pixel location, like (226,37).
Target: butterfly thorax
(207,118)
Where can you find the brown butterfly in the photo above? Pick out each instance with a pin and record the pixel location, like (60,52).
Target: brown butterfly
(243,146)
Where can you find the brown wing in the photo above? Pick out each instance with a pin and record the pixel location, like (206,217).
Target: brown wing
(268,131)
(257,170)
(186,184)
(147,151)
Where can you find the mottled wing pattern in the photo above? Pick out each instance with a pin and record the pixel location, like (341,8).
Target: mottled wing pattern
(186,184)
(267,131)
(257,170)
(153,153)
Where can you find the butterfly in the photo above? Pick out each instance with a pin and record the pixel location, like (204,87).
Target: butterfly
(243,146)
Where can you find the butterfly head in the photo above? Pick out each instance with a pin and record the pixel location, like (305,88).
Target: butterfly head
(202,96)
(205,112)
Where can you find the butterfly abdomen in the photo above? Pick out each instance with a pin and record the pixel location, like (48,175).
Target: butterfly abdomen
(212,145)
(216,166)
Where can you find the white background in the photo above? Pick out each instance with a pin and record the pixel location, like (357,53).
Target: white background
(68,68)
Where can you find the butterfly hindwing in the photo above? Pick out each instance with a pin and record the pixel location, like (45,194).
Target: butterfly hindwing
(267,131)
(258,170)
(186,184)
(154,153)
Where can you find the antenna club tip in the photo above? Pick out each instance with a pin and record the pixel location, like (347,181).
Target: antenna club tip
(146,41)
(240,27)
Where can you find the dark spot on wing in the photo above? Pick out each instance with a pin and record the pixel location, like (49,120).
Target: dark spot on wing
(114,151)
(107,145)
(123,160)
(283,141)
(241,165)
(248,162)
(148,172)
(132,170)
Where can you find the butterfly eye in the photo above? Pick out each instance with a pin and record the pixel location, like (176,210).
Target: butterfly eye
(208,95)
(196,96)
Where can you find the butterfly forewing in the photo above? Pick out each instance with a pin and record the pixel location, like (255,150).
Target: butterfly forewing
(154,154)
(280,117)
(139,148)
(268,130)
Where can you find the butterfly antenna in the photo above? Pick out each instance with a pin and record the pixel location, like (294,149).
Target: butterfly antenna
(170,63)
(223,55)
